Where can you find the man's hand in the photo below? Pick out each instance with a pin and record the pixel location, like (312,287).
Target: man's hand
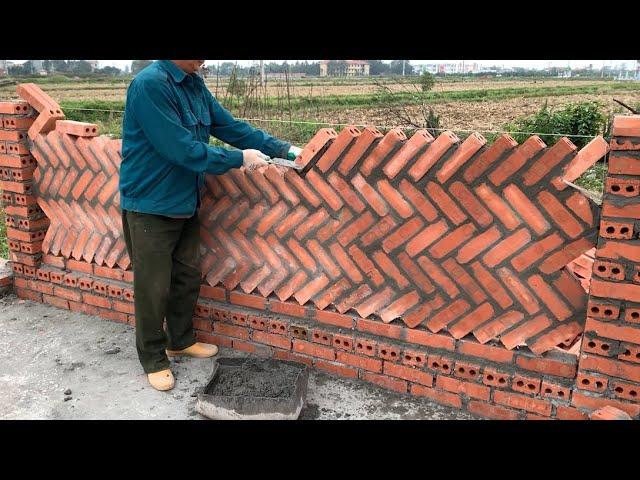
(253,159)
(294,152)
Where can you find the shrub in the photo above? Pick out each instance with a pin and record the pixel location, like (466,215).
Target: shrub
(583,118)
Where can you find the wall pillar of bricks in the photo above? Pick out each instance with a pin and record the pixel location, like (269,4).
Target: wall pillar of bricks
(609,368)
(438,267)
(25,221)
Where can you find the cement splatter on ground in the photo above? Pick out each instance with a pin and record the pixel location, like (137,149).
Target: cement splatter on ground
(45,351)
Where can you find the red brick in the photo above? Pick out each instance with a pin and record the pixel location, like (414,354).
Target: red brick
(586,157)
(483,409)
(448,315)
(386,382)
(96,300)
(446,203)
(494,378)
(518,158)
(230,330)
(202,324)
(288,308)
(441,364)
(548,366)
(81,307)
(313,349)
(56,301)
(430,340)
(41,287)
(213,293)
(388,352)
(364,141)
(452,241)
(570,413)
(548,296)
(28,294)
(431,156)
(553,390)
(471,371)
(590,402)
(414,358)
(548,161)
(593,383)
(251,301)
(371,196)
(602,329)
(393,137)
(417,142)
(68,294)
(336,369)
(472,390)
(623,164)
(613,368)
(379,328)
(626,391)
(541,407)
(124,307)
(292,357)
(439,396)
(519,291)
(214,339)
(410,374)
(342,342)
(113,273)
(271,339)
(365,363)
(525,384)
(471,321)
(254,348)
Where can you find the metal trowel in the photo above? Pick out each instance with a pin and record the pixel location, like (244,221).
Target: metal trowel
(283,162)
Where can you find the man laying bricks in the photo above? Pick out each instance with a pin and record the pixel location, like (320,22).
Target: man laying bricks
(169,118)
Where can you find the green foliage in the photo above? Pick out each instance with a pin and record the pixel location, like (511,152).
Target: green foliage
(237,86)
(427,81)
(378,67)
(583,118)
(395,68)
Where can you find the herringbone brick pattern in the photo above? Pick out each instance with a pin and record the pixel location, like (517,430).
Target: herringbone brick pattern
(76,184)
(442,234)
(450,235)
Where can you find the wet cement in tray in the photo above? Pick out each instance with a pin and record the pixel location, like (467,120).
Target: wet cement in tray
(256,378)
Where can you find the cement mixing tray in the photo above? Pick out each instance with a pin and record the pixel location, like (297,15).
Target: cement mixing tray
(254,389)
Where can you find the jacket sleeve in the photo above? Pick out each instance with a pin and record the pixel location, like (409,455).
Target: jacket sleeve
(158,116)
(242,135)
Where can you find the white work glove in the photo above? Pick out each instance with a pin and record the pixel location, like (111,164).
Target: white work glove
(253,159)
(294,152)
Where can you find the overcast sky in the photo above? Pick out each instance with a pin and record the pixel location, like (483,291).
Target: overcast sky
(506,63)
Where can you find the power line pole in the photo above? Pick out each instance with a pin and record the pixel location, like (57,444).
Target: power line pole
(403,61)
(262,73)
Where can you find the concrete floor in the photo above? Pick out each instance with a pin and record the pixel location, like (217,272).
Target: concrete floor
(44,351)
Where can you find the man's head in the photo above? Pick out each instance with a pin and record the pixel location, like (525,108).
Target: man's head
(189,66)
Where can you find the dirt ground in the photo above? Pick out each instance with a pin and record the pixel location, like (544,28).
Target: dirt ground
(57,364)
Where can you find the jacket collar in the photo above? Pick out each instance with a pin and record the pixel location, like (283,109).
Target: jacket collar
(176,73)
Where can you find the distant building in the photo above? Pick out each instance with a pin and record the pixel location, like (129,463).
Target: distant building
(94,64)
(4,69)
(351,68)
(38,67)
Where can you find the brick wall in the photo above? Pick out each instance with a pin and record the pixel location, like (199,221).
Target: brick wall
(609,368)
(440,267)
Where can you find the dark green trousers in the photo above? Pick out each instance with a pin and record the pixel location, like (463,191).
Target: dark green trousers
(165,256)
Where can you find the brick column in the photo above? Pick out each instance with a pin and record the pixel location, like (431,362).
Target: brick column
(26,222)
(609,367)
